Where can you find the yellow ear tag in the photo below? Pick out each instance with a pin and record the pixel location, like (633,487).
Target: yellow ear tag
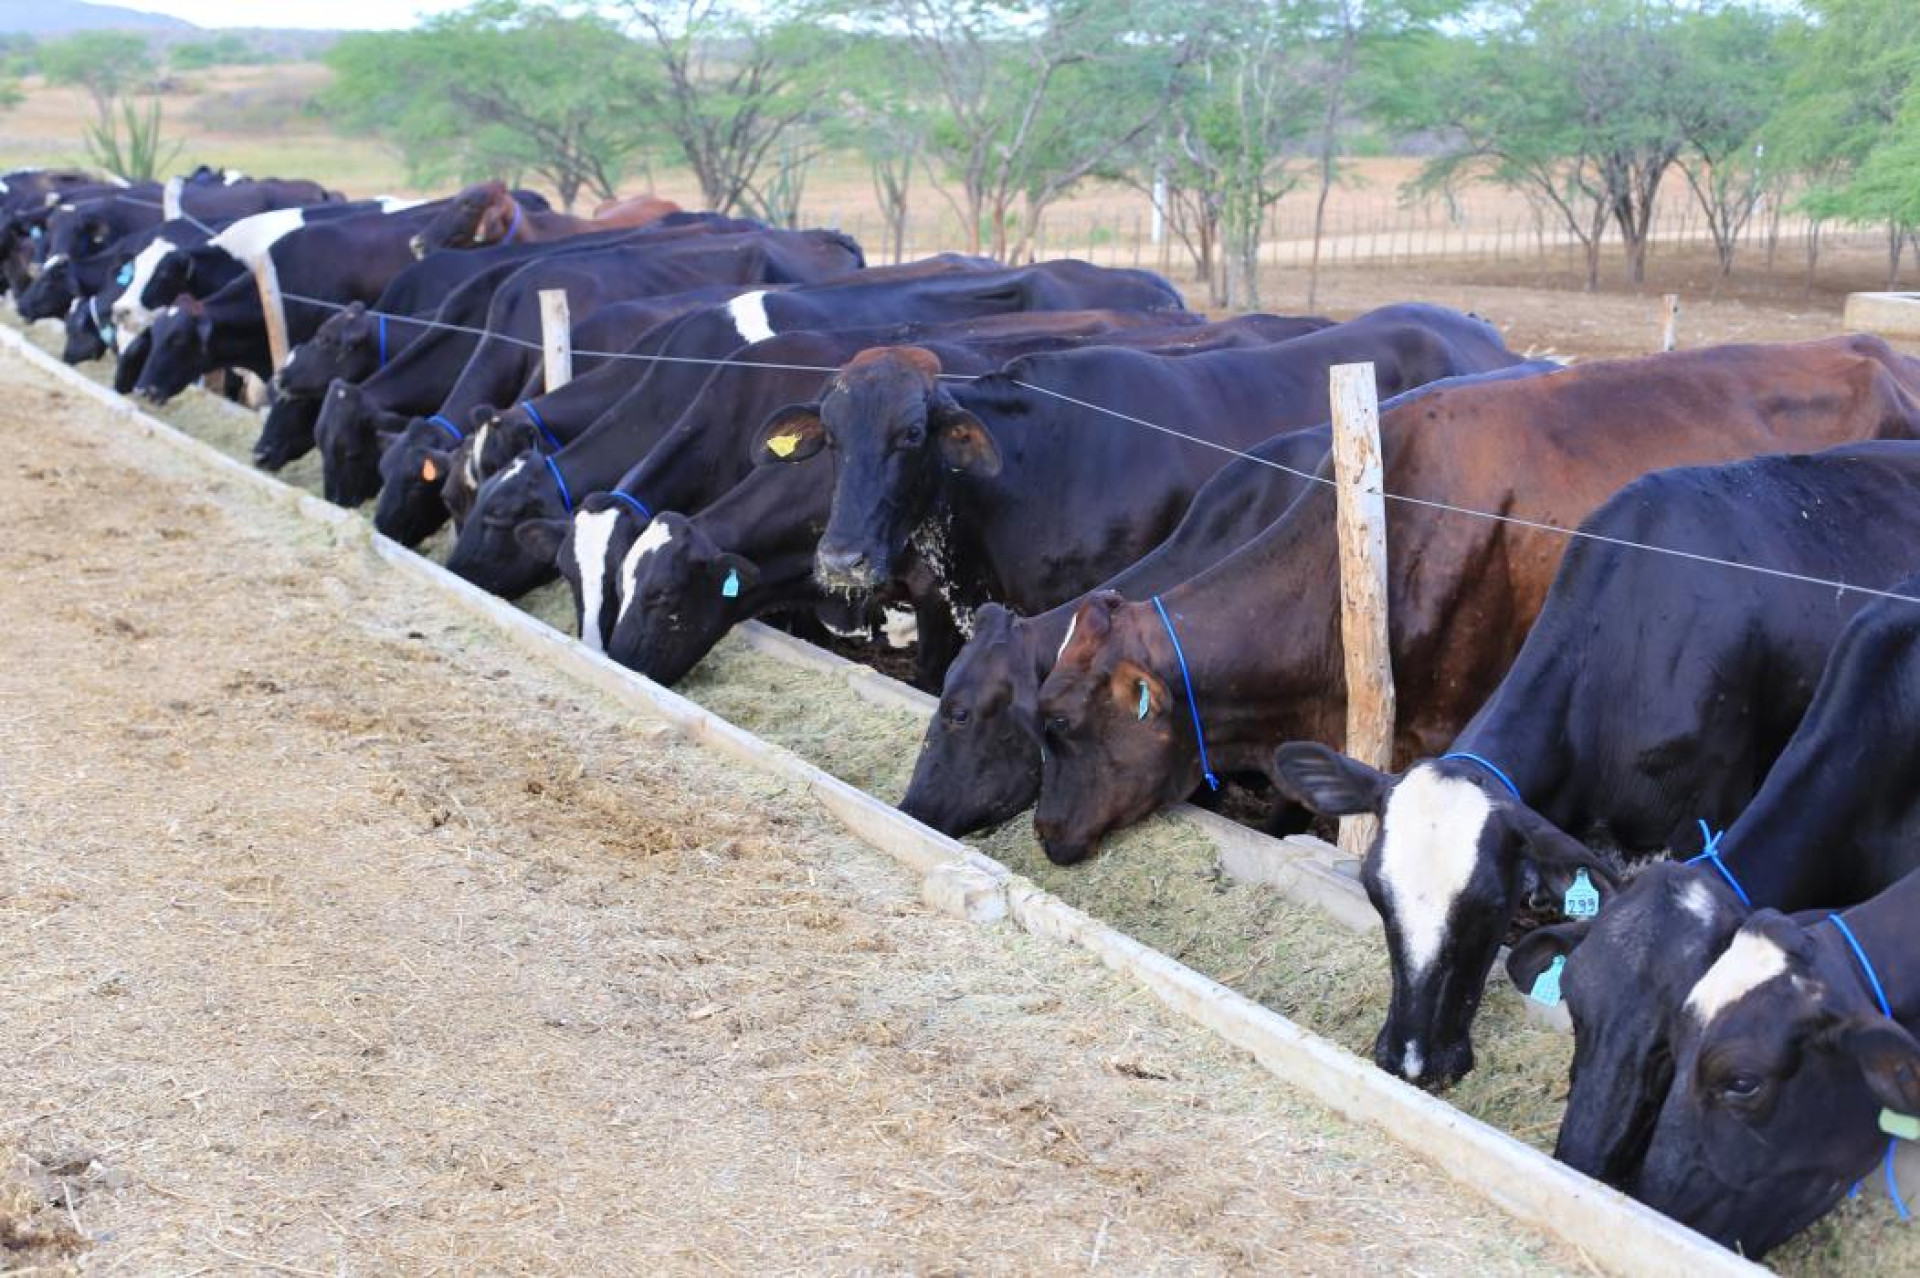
(429,471)
(783,445)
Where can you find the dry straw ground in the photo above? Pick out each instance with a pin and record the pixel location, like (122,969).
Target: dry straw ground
(339,940)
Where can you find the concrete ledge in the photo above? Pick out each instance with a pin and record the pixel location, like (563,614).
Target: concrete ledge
(1888,314)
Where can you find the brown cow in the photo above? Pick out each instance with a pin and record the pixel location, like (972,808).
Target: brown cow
(1260,630)
(486,214)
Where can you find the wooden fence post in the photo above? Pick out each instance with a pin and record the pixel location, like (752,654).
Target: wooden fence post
(1362,520)
(267,279)
(556,337)
(1670,322)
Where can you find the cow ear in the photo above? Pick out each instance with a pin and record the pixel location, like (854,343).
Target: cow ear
(1535,952)
(1138,691)
(965,444)
(1327,781)
(203,326)
(1554,850)
(1888,1057)
(435,465)
(792,434)
(480,415)
(541,537)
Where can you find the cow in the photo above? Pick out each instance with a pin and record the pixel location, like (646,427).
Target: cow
(23,237)
(121,263)
(1260,658)
(486,214)
(979,761)
(976,475)
(1653,692)
(1834,822)
(712,335)
(764,529)
(1795,1055)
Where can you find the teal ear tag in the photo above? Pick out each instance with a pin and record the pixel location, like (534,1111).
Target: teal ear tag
(1898,1125)
(730,588)
(106,334)
(35,232)
(1546,990)
(1583,899)
(1146,701)
(125,277)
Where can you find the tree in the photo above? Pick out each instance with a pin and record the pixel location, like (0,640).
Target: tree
(498,89)
(108,65)
(1733,68)
(728,82)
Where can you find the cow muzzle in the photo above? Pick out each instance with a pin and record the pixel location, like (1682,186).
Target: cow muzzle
(838,568)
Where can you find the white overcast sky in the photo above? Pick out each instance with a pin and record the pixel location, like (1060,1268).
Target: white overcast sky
(328,14)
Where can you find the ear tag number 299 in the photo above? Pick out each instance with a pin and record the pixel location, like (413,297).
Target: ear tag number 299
(1583,899)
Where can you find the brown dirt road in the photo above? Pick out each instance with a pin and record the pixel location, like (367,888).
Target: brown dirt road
(339,940)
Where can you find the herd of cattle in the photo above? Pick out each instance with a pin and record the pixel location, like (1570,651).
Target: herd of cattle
(1106,527)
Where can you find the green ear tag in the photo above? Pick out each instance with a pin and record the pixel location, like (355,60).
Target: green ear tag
(1903,1126)
(1146,701)
(1546,990)
(1583,899)
(730,588)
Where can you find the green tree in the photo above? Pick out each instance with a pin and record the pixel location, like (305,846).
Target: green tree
(1734,59)
(501,88)
(108,65)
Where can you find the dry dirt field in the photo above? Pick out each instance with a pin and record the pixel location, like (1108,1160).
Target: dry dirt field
(338,940)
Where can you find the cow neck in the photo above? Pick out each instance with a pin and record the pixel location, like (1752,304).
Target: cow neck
(1883,927)
(1800,844)
(1524,736)
(933,540)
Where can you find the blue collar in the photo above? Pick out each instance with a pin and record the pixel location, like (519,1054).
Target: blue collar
(1886,1010)
(1469,757)
(541,422)
(1193,705)
(638,507)
(383,339)
(1711,855)
(513,227)
(447,426)
(566,497)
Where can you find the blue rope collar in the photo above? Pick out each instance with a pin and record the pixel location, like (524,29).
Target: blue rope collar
(1712,856)
(513,227)
(1488,764)
(540,422)
(566,496)
(1886,1010)
(447,426)
(383,340)
(1193,705)
(634,503)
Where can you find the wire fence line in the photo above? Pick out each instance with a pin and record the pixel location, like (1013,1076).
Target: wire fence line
(1407,499)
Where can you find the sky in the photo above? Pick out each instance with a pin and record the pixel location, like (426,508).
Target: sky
(328,14)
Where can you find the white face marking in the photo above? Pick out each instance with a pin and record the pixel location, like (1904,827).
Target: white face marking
(749,314)
(475,451)
(1432,837)
(1071,623)
(592,532)
(54,262)
(1697,901)
(656,537)
(519,464)
(128,312)
(1411,1062)
(248,240)
(1751,961)
(902,626)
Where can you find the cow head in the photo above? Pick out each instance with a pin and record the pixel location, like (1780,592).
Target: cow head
(346,347)
(347,432)
(679,595)
(85,339)
(1783,1062)
(52,292)
(493,440)
(132,361)
(180,350)
(414,465)
(979,761)
(893,429)
(589,551)
(1117,743)
(287,433)
(482,214)
(1444,870)
(172,275)
(1625,975)
(509,542)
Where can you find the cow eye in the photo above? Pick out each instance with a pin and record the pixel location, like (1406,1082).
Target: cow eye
(913,437)
(959,716)
(1741,1087)
(1057,725)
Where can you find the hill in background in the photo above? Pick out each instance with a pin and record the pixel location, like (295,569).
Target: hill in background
(60,17)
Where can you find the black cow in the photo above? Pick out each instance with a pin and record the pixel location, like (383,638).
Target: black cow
(976,475)
(979,761)
(1653,691)
(1792,1050)
(23,235)
(626,433)
(120,264)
